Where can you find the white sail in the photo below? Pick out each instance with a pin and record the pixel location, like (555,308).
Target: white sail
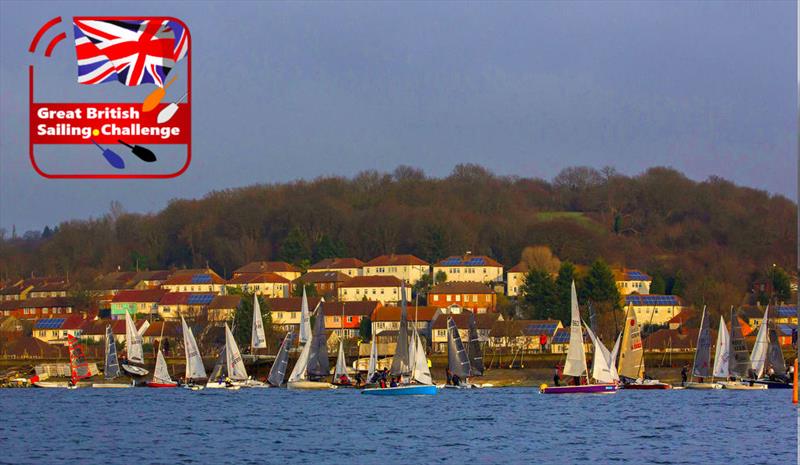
(373,360)
(133,341)
(420,371)
(576,358)
(236,370)
(758,358)
(143,328)
(723,353)
(631,357)
(161,374)
(601,363)
(258,340)
(299,370)
(341,363)
(194,362)
(614,353)
(305,320)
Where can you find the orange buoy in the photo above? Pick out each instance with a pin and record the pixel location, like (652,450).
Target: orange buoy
(794,383)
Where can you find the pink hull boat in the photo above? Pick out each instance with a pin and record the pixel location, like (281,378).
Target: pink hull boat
(583,389)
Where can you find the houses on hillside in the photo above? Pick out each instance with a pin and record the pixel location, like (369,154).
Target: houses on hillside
(384,289)
(474,296)
(654,309)
(406,267)
(468,267)
(632,281)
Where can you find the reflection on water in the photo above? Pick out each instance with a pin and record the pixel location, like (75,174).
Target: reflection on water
(136,426)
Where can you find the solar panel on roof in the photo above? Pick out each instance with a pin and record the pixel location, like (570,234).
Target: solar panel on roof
(200,299)
(786,311)
(201,279)
(561,337)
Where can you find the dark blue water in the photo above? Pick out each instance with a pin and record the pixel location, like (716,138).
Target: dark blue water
(139,426)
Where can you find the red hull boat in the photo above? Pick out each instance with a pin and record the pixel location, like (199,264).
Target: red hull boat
(647,387)
(162,385)
(582,389)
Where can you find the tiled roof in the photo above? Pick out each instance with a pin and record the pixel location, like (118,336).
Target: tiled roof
(334,263)
(396,260)
(482,320)
(323,277)
(461,287)
(291,304)
(11,304)
(516,328)
(74,322)
(251,278)
(194,278)
(392,313)
(359,308)
(170,329)
(225,302)
(685,338)
(262,267)
(627,274)
(683,316)
(148,295)
(469,260)
(51,286)
(41,302)
(653,300)
(175,298)
(372,281)
(519,268)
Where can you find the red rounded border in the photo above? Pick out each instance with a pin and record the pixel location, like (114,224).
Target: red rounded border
(119,176)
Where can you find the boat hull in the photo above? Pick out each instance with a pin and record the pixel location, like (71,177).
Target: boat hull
(310,385)
(417,390)
(111,385)
(774,384)
(582,389)
(51,384)
(702,386)
(162,385)
(647,386)
(735,385)
(134,370)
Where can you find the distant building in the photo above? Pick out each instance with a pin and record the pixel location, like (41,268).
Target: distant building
(406,267)
(344,318)
(352,267)
(474,296)
(675,340)
(654,309)
(135,302)
(515,279)
(285,311)
(223,307)
(483,323)
(267,284)
(57,330)
(560,342)
(386,324)
(384,289)
(632,281)
(474,268)
(284,269)
(208,281)
(43,307)
(190,305)
(49,289)
(326,283)
(526,335)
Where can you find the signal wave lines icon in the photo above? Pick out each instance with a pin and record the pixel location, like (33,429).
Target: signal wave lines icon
(53,42)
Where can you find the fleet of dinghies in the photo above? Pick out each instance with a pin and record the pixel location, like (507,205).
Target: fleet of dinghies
(733,366)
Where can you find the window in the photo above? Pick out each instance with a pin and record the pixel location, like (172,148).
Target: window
(435,297)
(349,319)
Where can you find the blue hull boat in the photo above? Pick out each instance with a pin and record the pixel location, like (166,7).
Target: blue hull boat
(414,390)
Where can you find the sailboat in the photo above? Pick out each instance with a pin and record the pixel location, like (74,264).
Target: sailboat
(258,338)
(111,368)
(603,369)
(722,365)
(312,365)
(575,365)
(229,371)
(631,357)
(340,376)
(194,361)
(458,361)
(702,358)
(372,365)
(278,370)
(767,354)
(409,362)
(161,377)
(133,349)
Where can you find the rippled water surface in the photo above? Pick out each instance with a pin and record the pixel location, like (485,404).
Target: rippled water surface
(137,426)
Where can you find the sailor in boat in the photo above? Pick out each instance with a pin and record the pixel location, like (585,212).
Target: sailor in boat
(684,374)
(556,376)
(358,379)
(456,380)
(393,383)
(449,375)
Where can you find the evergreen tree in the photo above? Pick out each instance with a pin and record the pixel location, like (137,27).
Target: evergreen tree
(539,295)
(781,284)
(311,290)
(658,285)
(600,287)
(327,247)
(365,329)
(563,285)
(676,284)
(295,247)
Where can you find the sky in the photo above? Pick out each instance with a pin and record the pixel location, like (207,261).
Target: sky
(283,91)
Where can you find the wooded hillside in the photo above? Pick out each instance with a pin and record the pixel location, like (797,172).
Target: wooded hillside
(717,236)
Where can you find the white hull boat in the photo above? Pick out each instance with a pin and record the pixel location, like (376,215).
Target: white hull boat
(740,386)
(310,385)
(111,385)
(702,386)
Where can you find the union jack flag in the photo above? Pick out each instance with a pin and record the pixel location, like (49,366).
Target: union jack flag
(131,52)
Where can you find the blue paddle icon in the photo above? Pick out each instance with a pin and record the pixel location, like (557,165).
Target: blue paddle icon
(113,159)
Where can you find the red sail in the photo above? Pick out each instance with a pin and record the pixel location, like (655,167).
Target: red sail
(77,361)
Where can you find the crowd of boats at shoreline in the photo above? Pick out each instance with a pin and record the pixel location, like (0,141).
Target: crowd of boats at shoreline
(410,374)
